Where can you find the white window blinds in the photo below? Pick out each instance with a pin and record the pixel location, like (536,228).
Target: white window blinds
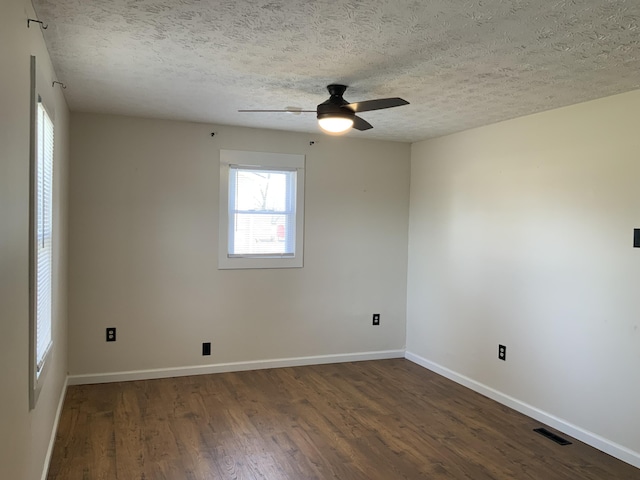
(43,230)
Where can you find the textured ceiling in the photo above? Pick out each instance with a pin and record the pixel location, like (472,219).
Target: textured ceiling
(460,64)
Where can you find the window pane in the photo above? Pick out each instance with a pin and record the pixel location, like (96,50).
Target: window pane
(261,234)
(261,212)
(43,230)
(264,190)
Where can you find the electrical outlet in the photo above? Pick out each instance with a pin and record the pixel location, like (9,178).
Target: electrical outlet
(376,319)
(206,348)
(502,352)
(111,334)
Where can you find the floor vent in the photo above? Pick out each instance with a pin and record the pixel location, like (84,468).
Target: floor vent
(552,436)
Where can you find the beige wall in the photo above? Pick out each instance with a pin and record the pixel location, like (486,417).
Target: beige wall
(25,434)
(144,243)
(521,234)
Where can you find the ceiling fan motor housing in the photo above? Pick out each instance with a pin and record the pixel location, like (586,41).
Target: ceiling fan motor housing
(335,105)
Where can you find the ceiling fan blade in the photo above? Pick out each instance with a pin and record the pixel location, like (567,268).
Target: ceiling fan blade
(378,104)
(286,111)
(361,124)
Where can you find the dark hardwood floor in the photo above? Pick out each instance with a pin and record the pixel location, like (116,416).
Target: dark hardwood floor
(386,420)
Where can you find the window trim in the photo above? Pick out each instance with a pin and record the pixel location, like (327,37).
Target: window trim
(271,161)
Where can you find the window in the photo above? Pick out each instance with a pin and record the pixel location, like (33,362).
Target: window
(261,210)
(43,229)
(262,213)
(41,240)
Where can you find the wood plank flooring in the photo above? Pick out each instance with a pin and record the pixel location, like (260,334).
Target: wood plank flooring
(386,420)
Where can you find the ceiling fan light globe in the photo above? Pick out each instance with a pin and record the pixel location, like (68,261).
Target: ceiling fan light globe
(335,124)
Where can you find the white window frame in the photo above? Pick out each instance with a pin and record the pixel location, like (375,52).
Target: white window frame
(267,161)
(41,232)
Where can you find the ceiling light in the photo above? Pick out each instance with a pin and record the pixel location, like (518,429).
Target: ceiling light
(335,123)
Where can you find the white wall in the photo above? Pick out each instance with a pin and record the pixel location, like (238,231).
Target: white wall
(24,434)
(144,242)
(521,234)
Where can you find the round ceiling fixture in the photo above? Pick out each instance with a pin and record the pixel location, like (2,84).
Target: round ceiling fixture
(338,122)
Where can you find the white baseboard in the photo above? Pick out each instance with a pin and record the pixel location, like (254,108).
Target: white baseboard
(230,367)
(590,438)
(54,429)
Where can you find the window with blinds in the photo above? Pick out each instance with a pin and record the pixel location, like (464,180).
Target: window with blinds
(43,218)
(261,210)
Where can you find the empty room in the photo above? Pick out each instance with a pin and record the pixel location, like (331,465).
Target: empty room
(367,240)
